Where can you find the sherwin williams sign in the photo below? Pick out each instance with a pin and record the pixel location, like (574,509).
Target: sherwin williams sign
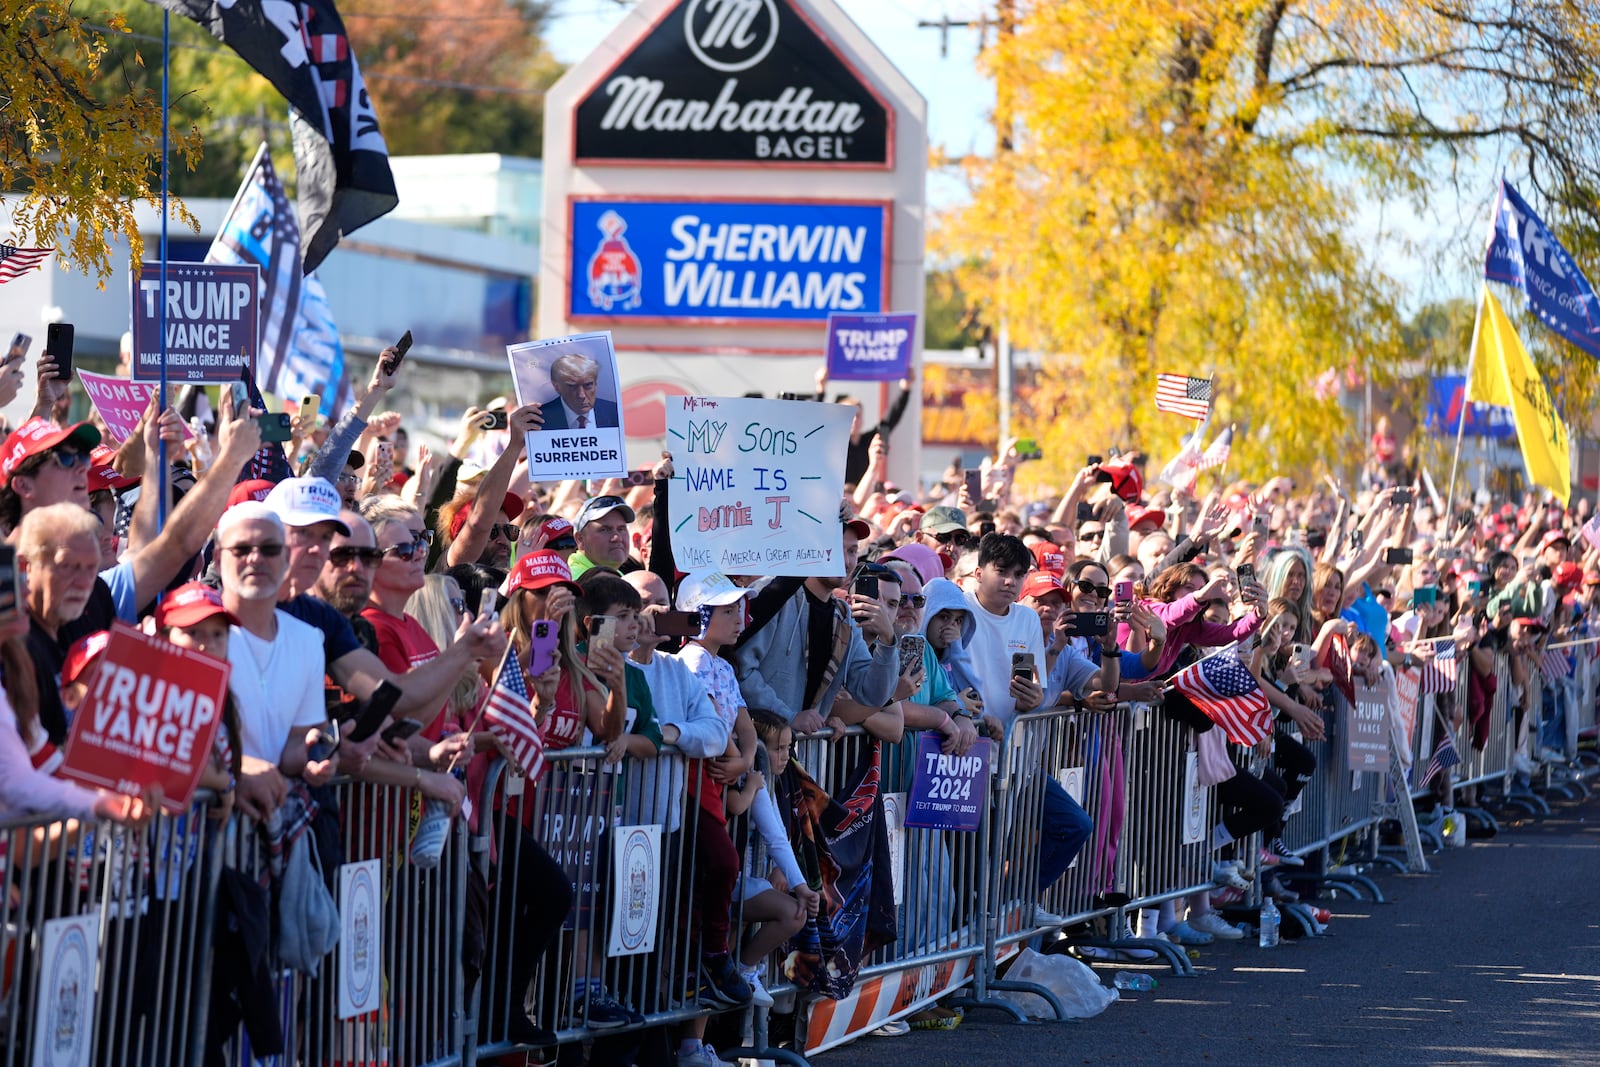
(734,81)
(682,260)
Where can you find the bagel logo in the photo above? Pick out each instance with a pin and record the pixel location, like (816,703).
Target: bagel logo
(731,35)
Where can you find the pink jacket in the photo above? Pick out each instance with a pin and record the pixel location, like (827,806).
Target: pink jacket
(1185,627)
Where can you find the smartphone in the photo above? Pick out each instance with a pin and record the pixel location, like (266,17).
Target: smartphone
(400,729)
(1085,513)
(276,427)
(1301,654)
(1094,461)
(386,449)
(19,348)
(1245,572)
(310,404)
(241,395)
(1476,587)
(326,743)
(383,701)
(542,648)
(1088,623)
(1028,448)
(974,486)
(678,623)
(1124,592)
(1425,594)
(498,420)
(1396,556)
(11,593)
(1402,497)
(602,632)
(58,337)
(1260,522)
(1022,665)
(1357,540)
(867,585)
(911,646)
(401,347)
(644,477)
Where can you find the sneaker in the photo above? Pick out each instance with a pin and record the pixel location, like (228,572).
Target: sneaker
(1226,874)
(1226,897)
(521,1030)
(1522,764)
(605,1012)
(1285,857)
(1182,933)
(720,982)
(1280,892)
(936,1018)
(1550,755)
(703,1056)
(1127,934)
(758,992)
(892,1029)
(1047,919)
(1215,925)
(1268,859)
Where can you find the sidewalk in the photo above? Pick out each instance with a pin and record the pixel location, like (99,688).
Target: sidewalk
(1493,958)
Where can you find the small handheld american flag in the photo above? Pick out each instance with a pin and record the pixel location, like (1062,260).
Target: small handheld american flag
(1444,756)
(1218,451)
(509,716)
(1222,688)
(1553,665)
(15,262)
(1438,662)
(1183,395)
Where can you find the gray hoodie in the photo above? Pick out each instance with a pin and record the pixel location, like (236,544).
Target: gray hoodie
(772,666)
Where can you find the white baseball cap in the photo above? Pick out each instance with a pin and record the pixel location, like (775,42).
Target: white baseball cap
(708,588)
(306,502)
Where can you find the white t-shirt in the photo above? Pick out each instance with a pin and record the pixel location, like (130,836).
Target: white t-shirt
(276,685)
(994,639)
(716,674)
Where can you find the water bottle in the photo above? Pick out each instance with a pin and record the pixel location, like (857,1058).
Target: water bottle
(1142,983)
(1269,924)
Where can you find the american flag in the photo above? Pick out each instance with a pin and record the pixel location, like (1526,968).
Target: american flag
(1554,665)
(1218,451)
(1183,395)
(1221,687)
(1444,756)
(15,262)
(1438,662)
(509,716)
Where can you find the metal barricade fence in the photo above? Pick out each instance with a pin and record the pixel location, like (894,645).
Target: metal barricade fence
(105,939)
(1157,859)
(1491,763)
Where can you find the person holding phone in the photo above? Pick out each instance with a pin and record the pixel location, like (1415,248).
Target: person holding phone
(928,701)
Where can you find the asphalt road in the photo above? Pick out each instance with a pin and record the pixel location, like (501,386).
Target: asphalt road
(1493,958)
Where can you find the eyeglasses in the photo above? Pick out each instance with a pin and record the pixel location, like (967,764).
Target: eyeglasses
(408,551)
(954,537)
(349,478)
(344,554)
(270,550)
(1085,586)
(912,600)
(68,458)
(1090,535)
(506,530)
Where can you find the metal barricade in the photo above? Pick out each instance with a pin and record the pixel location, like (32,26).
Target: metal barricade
(105,933)
(1492,763)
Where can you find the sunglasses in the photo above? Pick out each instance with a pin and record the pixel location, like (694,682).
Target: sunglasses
(409,551)
(954,537)
(1090,535)
(266,551)
(68,458)
(913,600)
(562,543)
(1101,591)
(506,530)
(344,554)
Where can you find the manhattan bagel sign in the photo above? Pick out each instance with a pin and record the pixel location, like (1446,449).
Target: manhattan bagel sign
(742,82)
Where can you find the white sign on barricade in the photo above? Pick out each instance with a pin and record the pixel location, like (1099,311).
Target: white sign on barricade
(894,820)
(1072,780)
(1194,801)
(635,889)
(63,1022)
(757,485)
(360,937)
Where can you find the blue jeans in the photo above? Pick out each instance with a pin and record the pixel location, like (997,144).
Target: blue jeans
(1066,828)
(1553,730)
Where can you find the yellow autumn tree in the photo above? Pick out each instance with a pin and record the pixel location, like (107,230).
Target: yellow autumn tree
(73,161)
(1180,183)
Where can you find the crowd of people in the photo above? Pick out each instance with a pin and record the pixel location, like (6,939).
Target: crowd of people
(370,566)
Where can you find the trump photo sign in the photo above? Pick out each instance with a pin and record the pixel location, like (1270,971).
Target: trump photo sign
(150,718)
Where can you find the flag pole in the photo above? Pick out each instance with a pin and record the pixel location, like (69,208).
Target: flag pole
(1466,390)
(161,394)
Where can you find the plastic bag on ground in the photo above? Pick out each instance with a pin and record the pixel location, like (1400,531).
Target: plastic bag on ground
(1080,991)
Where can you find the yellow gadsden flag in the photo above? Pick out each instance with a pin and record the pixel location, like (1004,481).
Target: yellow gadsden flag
(1504,374)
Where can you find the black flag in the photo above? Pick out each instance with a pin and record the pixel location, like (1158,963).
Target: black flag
(301,48)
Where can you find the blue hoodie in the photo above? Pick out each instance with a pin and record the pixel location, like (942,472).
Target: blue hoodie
(943,595)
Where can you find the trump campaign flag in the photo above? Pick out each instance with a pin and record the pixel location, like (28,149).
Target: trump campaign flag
(300,352)
(1523,252)
(339,154)
(1227,693)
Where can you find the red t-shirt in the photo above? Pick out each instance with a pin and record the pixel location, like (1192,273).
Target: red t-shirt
(404,645)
